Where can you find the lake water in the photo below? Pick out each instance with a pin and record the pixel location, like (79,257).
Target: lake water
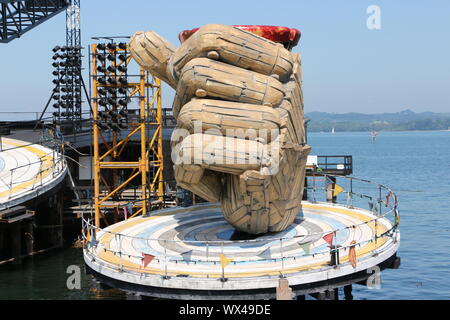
(416,165)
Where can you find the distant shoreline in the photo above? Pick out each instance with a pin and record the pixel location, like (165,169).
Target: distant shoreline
(381,131)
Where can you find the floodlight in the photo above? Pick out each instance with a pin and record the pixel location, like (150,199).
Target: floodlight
(101,57)
(102,102)
(111,46)
(112,81)
(101,69)
(122,68)
(123,81)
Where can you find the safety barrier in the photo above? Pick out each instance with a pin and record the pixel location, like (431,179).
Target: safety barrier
(381,201)
(53,163)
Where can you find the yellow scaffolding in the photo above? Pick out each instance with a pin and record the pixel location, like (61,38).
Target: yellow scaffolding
(106,154)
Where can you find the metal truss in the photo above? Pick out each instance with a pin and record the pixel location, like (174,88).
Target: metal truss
(18,17)
(113,89)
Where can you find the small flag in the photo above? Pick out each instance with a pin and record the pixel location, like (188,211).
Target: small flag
(187,255)
(93,240)
(88,236)
(306,247)
(266,254)
(337,189)
(328,238)
(352,254)
(224,261)
(388,196)
(146,259)
(397,217)
(125,213)
(130,208)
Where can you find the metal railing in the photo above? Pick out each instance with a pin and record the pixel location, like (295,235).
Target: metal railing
(50,163)
(382,203)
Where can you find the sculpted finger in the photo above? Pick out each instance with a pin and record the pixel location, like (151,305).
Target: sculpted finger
(245,202)
(203,77)
(203,183)
(232,119)
(256,203)
(222,154)
(237,47)
(287,184)
(152,52)
(291,109)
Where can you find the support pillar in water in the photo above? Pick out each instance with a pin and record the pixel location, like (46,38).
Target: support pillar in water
(16,242)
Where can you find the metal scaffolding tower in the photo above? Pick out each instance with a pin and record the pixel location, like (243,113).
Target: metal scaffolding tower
(114,90)
(18,17)
(69,84)
(68,113)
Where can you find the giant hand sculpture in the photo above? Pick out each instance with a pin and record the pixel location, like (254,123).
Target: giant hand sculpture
(240,135)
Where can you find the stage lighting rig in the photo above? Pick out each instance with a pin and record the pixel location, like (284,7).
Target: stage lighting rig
(122,69)
(114,91)
(101,69)
(111,57)
(67,64)
(111,46)
(101,57)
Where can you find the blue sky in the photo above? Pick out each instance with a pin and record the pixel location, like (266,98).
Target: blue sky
(346,66)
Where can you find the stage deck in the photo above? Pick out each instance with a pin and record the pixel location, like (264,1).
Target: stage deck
(192,249)
(27,171)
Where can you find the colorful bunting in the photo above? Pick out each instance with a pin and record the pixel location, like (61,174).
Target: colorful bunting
(125,212)
(388,196)
(88,236)
(266,254)
(146,259)
(352,254)
(224,261)
(93,240)
(187,255)
(397,217)
(328,238)
(306,247)
(337,190)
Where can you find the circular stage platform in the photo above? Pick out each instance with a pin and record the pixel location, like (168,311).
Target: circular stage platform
(27,170)
(194,253)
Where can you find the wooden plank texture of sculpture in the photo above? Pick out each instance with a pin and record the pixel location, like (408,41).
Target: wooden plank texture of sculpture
(240,134)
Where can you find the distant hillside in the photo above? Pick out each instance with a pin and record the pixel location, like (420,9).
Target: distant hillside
(404,120)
